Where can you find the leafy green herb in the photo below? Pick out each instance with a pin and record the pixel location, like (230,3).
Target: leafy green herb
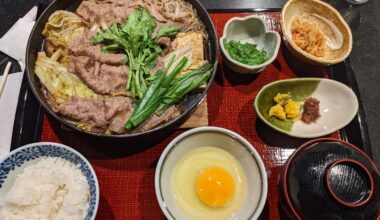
(111,34)
(139,28)
(112,48)
(134,37)
(245,53)
(167,30)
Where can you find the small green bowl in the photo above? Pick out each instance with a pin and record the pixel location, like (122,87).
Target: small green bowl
(250,29)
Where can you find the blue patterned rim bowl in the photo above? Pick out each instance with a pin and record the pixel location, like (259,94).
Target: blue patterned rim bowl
(14,163)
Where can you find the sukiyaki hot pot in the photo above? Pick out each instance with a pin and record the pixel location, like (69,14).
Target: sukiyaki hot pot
(122,69)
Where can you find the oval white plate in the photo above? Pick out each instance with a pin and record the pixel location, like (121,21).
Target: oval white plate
(338,105)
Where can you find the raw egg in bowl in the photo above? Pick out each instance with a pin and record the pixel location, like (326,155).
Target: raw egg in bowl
(211,173)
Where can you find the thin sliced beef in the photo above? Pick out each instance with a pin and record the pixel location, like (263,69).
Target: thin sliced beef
(87,111)
(135,3)
(118,111)
(155,120)
(164,41)
(100,114)
(102,78)
(104,73)
(109,11)
(104,13)
(115,105)
(109,113)
(83,47)
(118,122)
(154,12)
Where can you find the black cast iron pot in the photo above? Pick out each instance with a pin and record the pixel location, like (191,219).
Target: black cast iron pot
(36,42)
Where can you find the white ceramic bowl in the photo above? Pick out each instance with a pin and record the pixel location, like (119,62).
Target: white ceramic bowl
(227,140)
(250,29)
(14,163)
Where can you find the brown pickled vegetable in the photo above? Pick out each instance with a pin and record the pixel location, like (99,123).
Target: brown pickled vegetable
(310,110)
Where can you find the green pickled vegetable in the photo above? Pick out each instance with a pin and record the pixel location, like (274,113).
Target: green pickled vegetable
(246,53)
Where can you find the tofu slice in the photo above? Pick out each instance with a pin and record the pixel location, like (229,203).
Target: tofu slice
(194,40)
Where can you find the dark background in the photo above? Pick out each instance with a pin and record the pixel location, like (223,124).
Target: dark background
(364,21)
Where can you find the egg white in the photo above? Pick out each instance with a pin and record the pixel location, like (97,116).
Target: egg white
(184,178)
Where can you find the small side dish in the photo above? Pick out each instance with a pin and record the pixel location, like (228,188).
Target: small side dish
(306,107)
(210,173)
(247,45)
(315,32)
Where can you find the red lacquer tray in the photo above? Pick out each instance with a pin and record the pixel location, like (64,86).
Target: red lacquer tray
(126,175)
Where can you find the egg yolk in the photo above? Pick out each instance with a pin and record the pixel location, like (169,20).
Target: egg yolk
(215,187)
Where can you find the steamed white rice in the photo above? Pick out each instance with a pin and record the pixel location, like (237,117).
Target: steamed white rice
(52,189)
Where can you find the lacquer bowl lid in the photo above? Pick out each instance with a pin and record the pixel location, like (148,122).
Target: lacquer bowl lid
(331,179)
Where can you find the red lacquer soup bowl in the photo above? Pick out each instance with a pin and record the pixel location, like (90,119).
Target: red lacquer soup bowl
(329,179)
